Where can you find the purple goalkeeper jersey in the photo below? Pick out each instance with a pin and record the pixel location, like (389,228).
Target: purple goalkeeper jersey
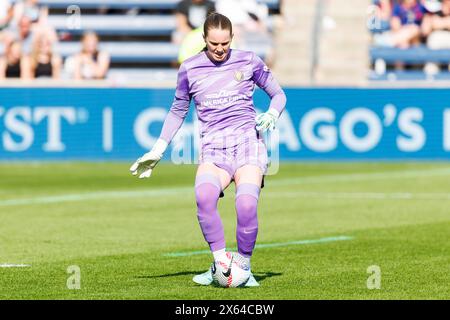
(222,93)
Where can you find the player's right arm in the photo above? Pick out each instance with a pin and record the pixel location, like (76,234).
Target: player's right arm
(144,165)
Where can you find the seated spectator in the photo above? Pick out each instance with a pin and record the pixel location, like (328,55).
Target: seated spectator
(380,15)
(31,9)
(23,32)
(436,27)
(12,63)
(26,31)
(246,15)
(190,15)
(405,25)
(192,44)
(90,63)
(42,62)
(249,20)
(6,13)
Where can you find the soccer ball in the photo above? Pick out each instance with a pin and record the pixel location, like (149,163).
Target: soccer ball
(230,270)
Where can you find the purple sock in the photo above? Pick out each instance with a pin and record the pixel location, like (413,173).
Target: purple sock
(207,191)
(247,217)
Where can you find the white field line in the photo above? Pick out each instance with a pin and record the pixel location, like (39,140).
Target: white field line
(10,265)
(266,245)
(364,176)
(95,196)
(125,194)
(361,195)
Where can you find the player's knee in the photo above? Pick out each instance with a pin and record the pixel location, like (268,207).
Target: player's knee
(207,191)
(247,204)
(205,203)
(246,207)
(206,197)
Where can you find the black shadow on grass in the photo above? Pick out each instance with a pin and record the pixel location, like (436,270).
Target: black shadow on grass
(261,276)
(184,273)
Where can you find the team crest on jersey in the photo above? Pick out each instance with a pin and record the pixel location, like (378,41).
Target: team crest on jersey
(238,76)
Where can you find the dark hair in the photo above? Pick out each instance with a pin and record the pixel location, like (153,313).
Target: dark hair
(217,21)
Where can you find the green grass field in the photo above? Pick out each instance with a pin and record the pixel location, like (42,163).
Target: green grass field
(123,232)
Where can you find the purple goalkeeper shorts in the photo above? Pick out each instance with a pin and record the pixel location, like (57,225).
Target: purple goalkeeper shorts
(248,150)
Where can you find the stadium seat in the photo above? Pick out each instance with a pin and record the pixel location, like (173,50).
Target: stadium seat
(144,4)
(117,24)
(120,24)
(143,74)
(137,43)
(409,75)
(137,51)
(417,55)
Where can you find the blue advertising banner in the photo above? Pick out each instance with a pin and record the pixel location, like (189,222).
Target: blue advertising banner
(319,123)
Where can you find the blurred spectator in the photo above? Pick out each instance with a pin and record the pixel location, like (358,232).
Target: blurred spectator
(12,63)
(436,27)
(31,9)
(189,15)
(432,6)
(192,44)
(249,20)
(90,63)
(6,13)
(42,62)
(380,15)
(25,31)
(246,15)
(405,23)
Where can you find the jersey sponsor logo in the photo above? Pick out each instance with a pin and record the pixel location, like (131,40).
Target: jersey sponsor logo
(222,98)
(222,94)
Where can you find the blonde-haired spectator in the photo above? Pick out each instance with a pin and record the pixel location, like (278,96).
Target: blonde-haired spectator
(42,62)
(91,62)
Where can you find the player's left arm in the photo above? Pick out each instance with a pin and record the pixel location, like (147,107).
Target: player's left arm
(264,79)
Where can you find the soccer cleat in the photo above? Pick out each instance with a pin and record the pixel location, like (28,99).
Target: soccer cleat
(204,279)
(251,282)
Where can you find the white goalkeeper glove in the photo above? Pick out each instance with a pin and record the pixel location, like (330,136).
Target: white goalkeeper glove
(266,121)
(145,164)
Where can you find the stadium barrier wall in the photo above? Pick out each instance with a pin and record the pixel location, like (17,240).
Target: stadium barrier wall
(319,124)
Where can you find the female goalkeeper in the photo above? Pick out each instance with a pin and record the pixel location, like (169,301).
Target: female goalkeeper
(222,81)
